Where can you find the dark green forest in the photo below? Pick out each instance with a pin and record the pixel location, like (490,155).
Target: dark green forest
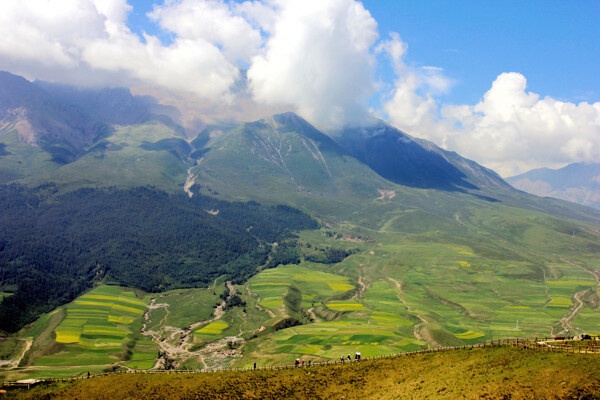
(54,246)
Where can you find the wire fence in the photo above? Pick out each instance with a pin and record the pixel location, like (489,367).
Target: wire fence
(562,345)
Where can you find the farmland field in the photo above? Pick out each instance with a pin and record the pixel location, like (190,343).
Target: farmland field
(93,333)
(397,292)
(401,294)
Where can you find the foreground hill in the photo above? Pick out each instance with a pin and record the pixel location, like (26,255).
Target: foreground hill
(491,373)
(579,183)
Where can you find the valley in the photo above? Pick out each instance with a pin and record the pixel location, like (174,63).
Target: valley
(393,294)
(269,241)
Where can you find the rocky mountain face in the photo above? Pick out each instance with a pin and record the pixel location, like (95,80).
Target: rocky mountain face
(408,161)
(39,119)
(578,183)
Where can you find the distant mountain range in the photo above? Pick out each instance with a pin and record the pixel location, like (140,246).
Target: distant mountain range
(105,137)
(579,183)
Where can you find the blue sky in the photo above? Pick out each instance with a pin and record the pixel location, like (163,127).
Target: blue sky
(555,44)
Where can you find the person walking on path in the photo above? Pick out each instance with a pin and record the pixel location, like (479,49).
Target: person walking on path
(342,358)
(255,365)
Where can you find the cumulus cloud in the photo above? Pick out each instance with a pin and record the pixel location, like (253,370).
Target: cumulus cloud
(510,130)
(312,56)
(517,130)
(318,60)
(316,57)
(410,104)
(63,39)
(214,22)
(39,31)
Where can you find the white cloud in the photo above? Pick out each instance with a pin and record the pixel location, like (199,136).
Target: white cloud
(212,21)
(406,106)
(312,56)
(46,32)
(318,59)
(187,65)
(510,130)
(81,41)
(513,130)
(261,14)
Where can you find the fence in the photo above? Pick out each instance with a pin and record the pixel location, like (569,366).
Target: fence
(564,345)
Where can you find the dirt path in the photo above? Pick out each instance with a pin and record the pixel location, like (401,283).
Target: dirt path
(457,219)
(420,330)
(15,363)
(258,306)
(361,289)
(566,320)
(312,314)
(372,230)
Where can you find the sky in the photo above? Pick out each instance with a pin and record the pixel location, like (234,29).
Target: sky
(512,85)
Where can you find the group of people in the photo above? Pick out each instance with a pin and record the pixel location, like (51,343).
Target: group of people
(356,357)
(300,362)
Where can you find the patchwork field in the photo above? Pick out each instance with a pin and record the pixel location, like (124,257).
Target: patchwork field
(398,291)
(96,331)
(316,287)
(395,294)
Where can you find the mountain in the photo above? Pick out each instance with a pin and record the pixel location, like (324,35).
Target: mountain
(578,182)
(29,114)
(284,159)
(114,105)
(407,161)
(88,137)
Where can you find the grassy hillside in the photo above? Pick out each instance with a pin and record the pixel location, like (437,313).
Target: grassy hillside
(492,373)
(278,160)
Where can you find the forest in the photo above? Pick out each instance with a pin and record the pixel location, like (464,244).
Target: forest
(54,246)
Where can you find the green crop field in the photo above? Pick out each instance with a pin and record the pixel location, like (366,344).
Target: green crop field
(92,333)
(401,289)
(399,292)
(272,285)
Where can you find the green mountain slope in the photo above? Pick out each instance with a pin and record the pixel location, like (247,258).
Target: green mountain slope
(284,159)
(149,154)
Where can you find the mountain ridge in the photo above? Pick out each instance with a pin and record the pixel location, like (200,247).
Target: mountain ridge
(577,183)
(40,120)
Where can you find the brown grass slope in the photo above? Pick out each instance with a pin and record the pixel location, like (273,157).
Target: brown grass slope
(492,373)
